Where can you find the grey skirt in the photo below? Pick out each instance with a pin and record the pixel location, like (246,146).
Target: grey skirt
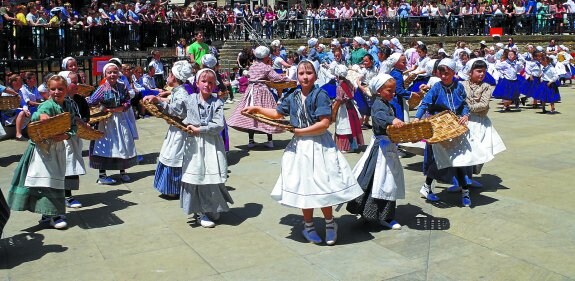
(209,198)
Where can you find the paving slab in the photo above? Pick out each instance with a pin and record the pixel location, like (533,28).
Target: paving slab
(519,228)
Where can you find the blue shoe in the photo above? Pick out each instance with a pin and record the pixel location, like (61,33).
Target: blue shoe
(139,158)
(392,225)
(426,192)
(330,233)
(311,235)
(106,181)
(73,203)
(465,200)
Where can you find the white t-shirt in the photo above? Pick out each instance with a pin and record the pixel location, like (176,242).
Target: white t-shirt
(278,63)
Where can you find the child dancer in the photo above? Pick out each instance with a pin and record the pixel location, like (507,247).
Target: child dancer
(204,163)
(348,134)
(74,162)
(308,182)
(379,171)
(509,85)
(168,176)
(548,91)
(446,95)
(38,182)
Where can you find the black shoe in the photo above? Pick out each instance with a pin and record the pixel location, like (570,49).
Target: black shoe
(523,100)
(21,138)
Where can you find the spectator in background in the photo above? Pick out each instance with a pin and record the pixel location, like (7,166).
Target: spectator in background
(198,49)
(156,62)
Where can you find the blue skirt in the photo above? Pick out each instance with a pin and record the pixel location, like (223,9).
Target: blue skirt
(168,180)
(531,87)
(362,102)
(489,79)
(417,83)
(330,88)
(508,89)
(149,93)
(547,94)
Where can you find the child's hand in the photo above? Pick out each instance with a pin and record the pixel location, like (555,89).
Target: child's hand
(44,117)
(151,99)
(396,123)
(251,110)
(195,130)
(549,84)
(463,120)
(415,120)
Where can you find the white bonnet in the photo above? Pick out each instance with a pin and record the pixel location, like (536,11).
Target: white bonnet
(359,40)
(378,81)
(312,42)
(65,62)
(261,52)
(275,43)
(340,70)
(335,42)
(182,70)
(210,61)
(448,62)
(373,40)
(110,64)
(394,58)
(64,74)
(300,50)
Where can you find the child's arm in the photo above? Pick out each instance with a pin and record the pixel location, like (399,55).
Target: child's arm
(316,129)
(271,113)
(425,103)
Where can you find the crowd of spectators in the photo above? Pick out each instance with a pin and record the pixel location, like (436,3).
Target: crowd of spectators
(242,21)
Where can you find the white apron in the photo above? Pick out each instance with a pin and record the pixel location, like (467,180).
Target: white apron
(388,179)
(342,124)
(314,174)
(47,168)
(204,160)
(172,152)
(132,122)
(74,161)
(118,140)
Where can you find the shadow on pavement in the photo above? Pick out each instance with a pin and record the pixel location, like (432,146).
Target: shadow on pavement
(25,247)
(234,217)
(260,146)
(104,216)
(234,156)
(6,161)
(350,230)
(414,217)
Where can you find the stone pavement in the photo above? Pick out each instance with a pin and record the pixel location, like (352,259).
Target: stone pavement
(521,225)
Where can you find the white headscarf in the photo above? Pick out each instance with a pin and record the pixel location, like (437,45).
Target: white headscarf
(396,43)
(335,42)
(116,60)
(300,50)
(374,41)
(378,81)
(204,70)
(448,62)
(312,42)
(385,43)
(110,64)
(275,43)
(429,67)
(64,75)
(340,70)
(182,70)
(394,58)
(65,62)
(210,61)
(359,40)
(314,63)
(261,52)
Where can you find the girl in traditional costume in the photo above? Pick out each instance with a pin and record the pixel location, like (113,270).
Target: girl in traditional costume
(204,163)
(308,182)
(117,149)
(38,182)
(379,172)
(348,135)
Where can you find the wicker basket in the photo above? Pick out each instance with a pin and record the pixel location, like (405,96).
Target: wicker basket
(414,101)
(280,86)
(409,79)
(97,115)
(85,90)
(445,127)
(43,130)
(9,102)
(171,120)
(280,123)
(88,133)
(412,132)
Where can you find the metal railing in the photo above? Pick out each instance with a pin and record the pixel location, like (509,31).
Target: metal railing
(43,42)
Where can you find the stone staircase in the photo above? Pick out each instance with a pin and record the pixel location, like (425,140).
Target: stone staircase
(230,49)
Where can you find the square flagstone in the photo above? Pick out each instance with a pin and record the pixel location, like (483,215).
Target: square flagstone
(295,268)
(175,263)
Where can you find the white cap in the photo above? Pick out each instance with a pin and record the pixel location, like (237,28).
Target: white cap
(539,48)
(312,42)
(300,50)
(275,43)
(335,42)
(261,52)
(385,42)
(448,62)
(373,40)
(359,40)
(210,61)
(500,45)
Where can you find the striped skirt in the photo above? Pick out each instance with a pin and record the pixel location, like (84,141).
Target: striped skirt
(168,180)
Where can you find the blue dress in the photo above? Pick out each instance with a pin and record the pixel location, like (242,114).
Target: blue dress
(400,94)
